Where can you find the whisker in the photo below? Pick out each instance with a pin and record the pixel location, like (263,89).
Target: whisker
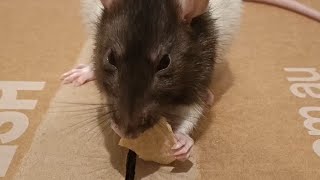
(103,123)
(79,106)
(85,122)
(81,103)
(98,118)
(76,110)
(97,125)
(104,128)
(85,114)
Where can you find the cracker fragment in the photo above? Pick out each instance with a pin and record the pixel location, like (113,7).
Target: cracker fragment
(154,144)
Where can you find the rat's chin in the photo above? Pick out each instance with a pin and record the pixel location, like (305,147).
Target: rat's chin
(132,136)
(127,135)
(133,132)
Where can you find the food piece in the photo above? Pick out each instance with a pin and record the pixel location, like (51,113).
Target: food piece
(154,144)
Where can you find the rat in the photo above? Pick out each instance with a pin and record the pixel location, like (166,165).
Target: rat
(155,59)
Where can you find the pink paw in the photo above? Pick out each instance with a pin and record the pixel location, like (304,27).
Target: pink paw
(182,149)
(79,75)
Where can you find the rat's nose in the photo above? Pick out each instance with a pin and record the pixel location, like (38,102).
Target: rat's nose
(138,126)
(145,119)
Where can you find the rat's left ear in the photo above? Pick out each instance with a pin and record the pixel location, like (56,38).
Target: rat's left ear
(192,8)
(107,3)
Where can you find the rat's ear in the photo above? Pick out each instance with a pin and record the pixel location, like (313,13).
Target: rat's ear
(192,8)
(107,3)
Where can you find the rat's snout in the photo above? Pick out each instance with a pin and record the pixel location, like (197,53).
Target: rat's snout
(135,103)
(137,124)
(132,125)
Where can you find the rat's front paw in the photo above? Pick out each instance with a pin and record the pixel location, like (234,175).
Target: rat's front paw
(182,149)
(79,75)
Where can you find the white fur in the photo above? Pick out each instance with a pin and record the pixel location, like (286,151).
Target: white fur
(191,115)
(91,12)
(227,14)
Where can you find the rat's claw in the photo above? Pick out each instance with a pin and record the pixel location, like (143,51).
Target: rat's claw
(72,71)
(71,78)
(79,75)
(182,149)
(65,75)
(183,157)
(80,80)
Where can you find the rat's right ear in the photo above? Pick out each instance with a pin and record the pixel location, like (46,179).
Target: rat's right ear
(107,3)
(192,8)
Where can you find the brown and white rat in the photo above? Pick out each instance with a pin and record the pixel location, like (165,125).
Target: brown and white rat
(155,58)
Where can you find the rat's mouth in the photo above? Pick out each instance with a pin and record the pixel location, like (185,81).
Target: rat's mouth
(132,136)
(132,131)
(129,134)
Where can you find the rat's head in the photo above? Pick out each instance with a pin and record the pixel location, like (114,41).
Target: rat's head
(151,55)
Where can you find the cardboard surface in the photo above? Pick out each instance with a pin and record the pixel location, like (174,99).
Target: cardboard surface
(39,41)
(259,127)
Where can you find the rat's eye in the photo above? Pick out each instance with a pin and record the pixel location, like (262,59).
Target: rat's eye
(164,62)
(111,58)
